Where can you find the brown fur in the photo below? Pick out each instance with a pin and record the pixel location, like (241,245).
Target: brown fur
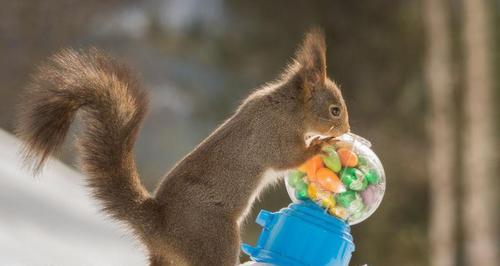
(192,218)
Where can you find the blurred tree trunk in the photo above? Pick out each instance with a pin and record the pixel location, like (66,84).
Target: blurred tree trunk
(479,142)
(441,134)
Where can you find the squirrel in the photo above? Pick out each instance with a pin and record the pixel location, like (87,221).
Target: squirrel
(193,216)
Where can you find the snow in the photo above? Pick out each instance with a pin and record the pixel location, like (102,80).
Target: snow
(51,219)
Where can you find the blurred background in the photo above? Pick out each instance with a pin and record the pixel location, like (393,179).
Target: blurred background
(420,79)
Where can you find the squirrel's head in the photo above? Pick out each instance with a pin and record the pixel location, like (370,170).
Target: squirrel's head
(324,107)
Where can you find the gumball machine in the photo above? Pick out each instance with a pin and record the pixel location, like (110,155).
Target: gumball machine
(340,187)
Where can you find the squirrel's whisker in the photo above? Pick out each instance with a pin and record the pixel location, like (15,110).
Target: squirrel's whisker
(325,119)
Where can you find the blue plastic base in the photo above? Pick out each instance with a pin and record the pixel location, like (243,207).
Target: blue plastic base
(302,234)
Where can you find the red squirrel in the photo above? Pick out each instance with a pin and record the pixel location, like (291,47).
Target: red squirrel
(193,216)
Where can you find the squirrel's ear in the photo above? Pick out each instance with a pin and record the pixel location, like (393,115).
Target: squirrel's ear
(311,57)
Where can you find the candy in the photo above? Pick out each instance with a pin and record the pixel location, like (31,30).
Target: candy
(328,202)
(301,190)
(301,185)
(347,157)
(343,144)
(329,180)
(332,161)
(328,149)
(345,198)
(312,190)
(347,175)
(356,205)
(339,212)
(372,176)
(295,177)
(359,184)
(356,216)
(362,161)
(369,196)
(302,168)
(346,179)
(312,165)
(354,179)
(301,194)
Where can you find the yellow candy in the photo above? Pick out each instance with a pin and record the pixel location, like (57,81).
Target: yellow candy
(321,194)
(312,191)
(328,202)
(339,212)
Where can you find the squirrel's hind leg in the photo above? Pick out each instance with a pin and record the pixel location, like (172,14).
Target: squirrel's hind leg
(202,241)
(218,243)
(158,261)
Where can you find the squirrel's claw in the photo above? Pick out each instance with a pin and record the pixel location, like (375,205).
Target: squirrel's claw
(323,141)
(330,140)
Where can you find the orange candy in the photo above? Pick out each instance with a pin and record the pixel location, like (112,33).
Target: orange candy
(347,157)
(328,180)
(303,168)
(311,166)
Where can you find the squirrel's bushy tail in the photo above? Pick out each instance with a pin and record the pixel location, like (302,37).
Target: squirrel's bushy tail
(112,105)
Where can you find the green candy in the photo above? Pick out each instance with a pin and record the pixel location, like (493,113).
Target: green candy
(348,171)
(346,198)
(359,184)
(372,177)
(356,216)
(332,161)
(350,174)
(329,149)
(356,205)
(354,179)
(362,161)
(301,185)
(294,178)
(347,176)
(301,194)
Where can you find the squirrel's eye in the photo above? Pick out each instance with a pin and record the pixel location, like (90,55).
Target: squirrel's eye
(334,110)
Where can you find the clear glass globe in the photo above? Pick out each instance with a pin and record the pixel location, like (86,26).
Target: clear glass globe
(346,179)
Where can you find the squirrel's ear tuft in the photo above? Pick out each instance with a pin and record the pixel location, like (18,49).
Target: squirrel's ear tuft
(311,57)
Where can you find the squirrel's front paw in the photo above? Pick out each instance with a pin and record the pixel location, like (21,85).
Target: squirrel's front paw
(315,141)
(320,142)
(315,145)
(330,140)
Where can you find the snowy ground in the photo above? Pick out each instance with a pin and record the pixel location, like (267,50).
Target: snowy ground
(51,220)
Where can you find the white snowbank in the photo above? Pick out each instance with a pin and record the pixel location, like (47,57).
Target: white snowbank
(52,220)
